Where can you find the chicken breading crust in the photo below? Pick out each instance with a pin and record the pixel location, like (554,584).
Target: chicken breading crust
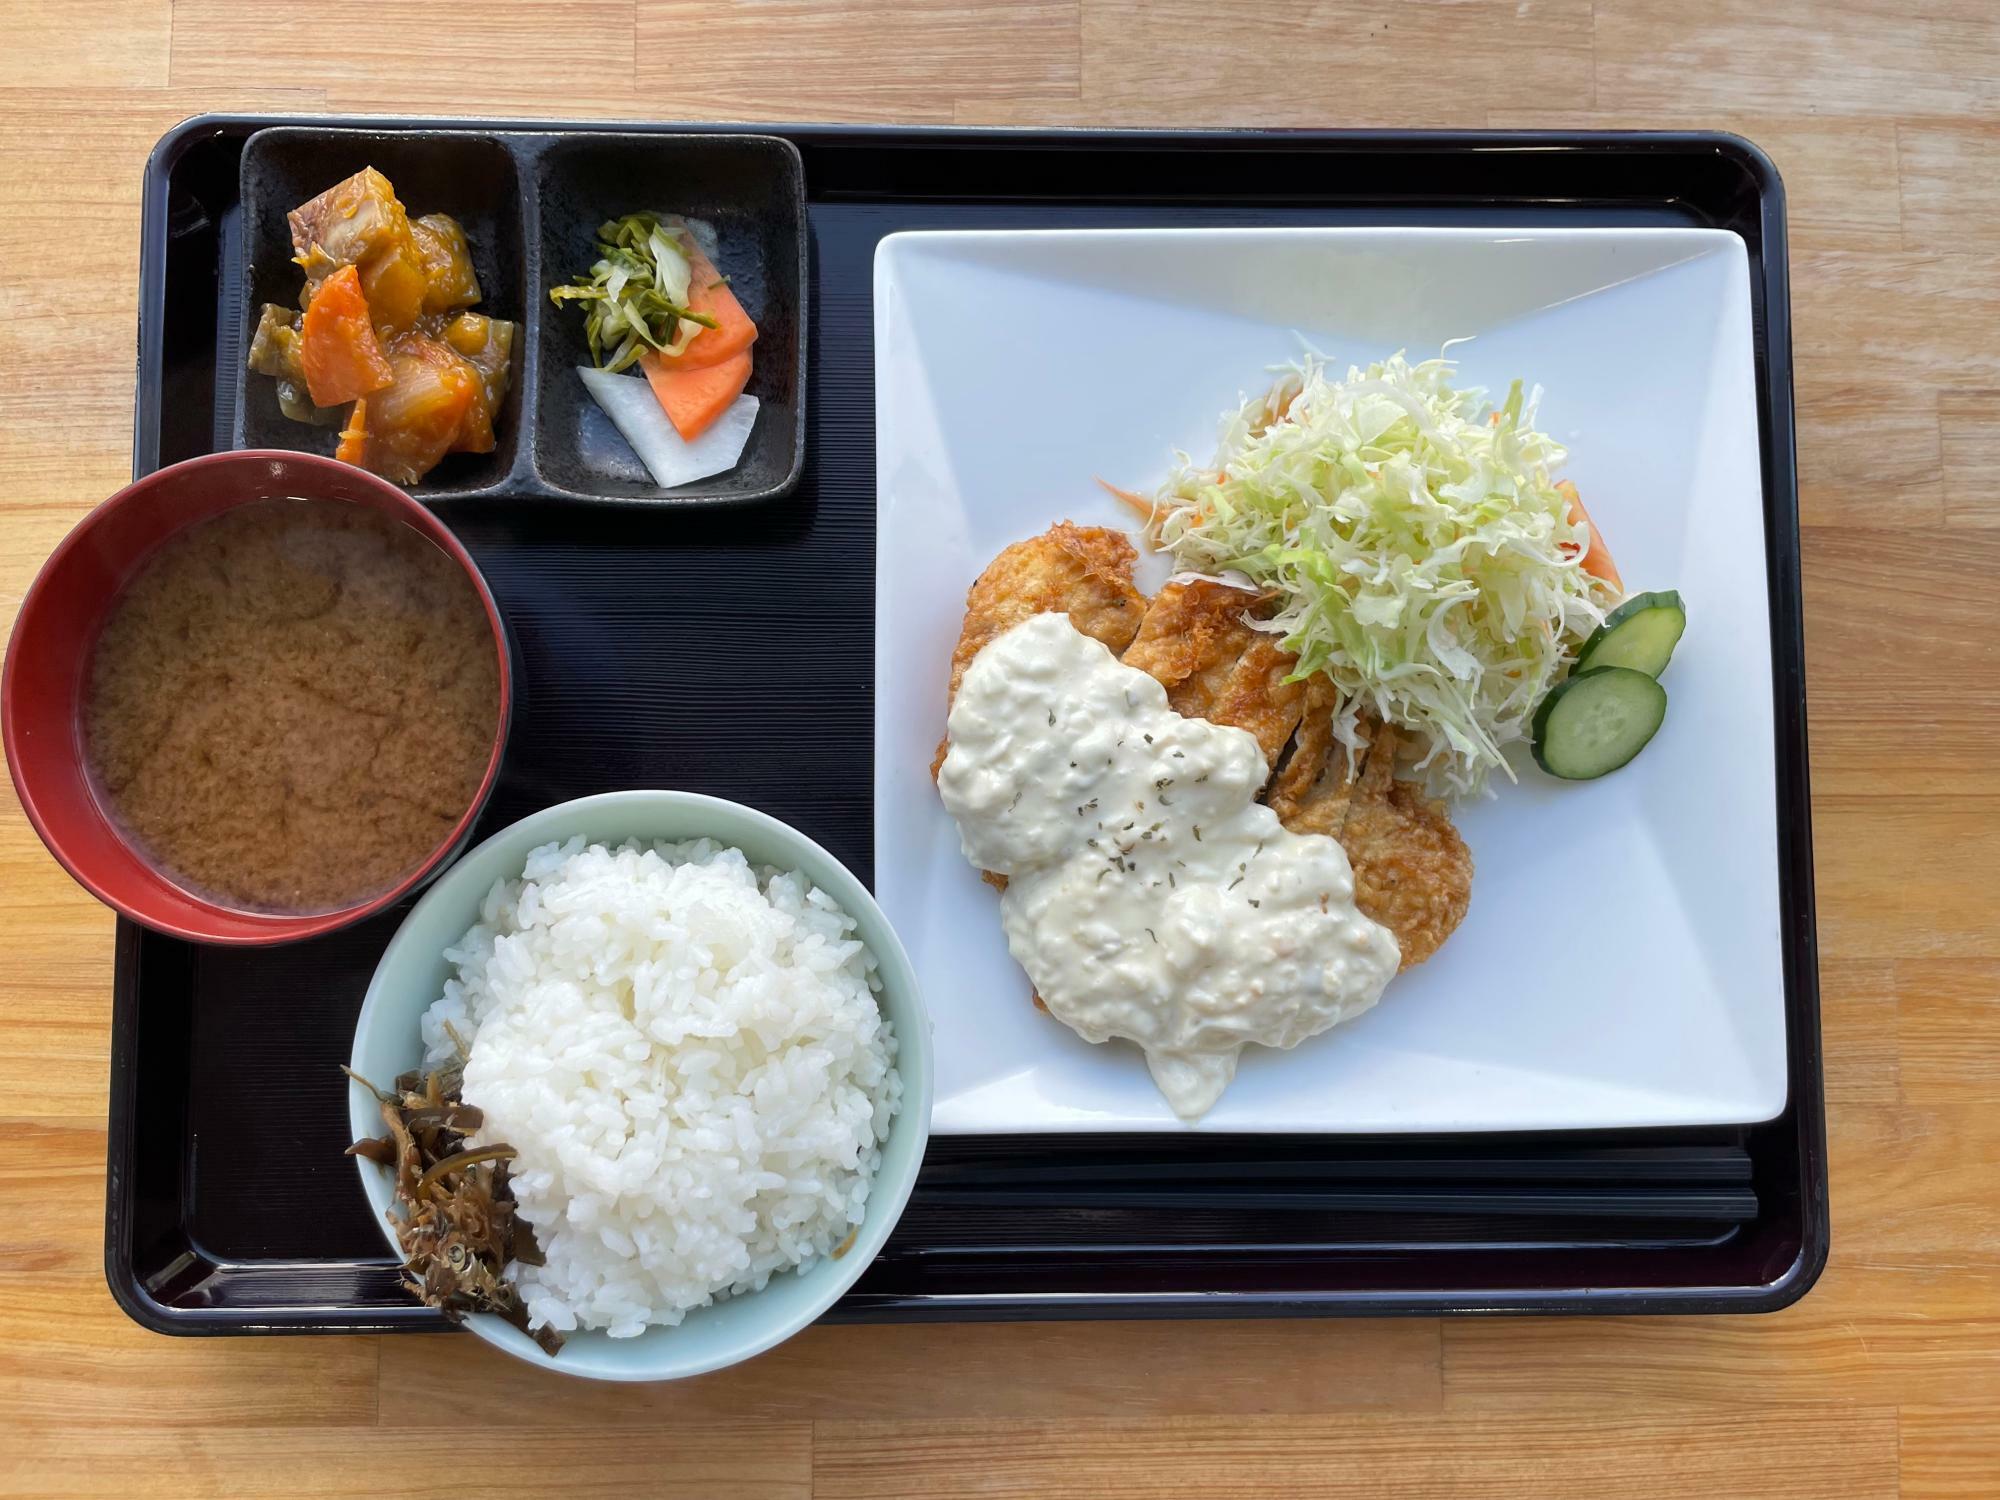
(1412,871)
(1197,641)
(1084,572)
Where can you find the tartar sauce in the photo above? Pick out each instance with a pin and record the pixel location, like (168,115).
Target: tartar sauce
(1150,895)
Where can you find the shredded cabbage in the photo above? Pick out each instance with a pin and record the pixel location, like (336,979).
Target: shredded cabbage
(1419,553)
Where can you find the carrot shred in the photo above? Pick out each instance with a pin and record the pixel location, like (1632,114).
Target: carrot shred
(353,447)
(1132,498)
(1597,559)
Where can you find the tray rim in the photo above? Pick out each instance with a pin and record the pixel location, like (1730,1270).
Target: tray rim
(1773,357)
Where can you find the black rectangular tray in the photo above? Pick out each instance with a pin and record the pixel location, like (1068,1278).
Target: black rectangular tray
(730,652)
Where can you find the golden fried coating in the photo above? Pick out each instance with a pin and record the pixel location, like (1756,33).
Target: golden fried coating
(1084,572)
(1302,794)
(1412,871)
(1215,665)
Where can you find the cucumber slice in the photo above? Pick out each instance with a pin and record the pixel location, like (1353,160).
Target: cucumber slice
(1592,723)
(1641,634)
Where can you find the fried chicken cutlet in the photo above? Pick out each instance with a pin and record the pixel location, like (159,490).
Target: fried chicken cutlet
(1196,640)
(1084,572)
(1412,871)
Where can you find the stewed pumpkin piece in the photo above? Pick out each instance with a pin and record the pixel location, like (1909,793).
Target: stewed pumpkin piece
(488,343)
(449,280)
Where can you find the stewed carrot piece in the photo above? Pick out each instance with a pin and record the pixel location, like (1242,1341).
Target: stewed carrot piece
(338,349)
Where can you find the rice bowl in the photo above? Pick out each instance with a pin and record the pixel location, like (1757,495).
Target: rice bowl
(686,1053)
(719,1265)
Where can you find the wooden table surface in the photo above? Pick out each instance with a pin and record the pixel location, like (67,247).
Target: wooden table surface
(1884,117)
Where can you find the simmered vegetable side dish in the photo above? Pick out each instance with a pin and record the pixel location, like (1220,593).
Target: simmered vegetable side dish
(459,1227)
(382,343)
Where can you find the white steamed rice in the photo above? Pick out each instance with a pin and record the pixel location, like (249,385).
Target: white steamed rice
(687,1053)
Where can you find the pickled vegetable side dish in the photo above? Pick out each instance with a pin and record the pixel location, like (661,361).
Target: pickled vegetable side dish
(655,298)
(383,342)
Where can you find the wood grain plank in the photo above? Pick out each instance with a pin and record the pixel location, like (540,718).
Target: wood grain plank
(66,440)
(1184,62)
(1945,852)
(51,1199)
(1857,1008)
(1574,1450)
(769,1462)
(71,1361)
(66,146)
(1855,313)
(39,515)
(1950,175)
(1864,57)
(1868,1335)
(1869,458)
(74,163)
(908,59)
(1912,1188)
(542,44)
(1949,1453)
(61,441)
(55,1036)
(512,95)
(117,43)
(1948,1033)
(1969,439)
(1886,737)
(991,1369)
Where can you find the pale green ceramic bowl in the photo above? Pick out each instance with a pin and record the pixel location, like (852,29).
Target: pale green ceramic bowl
(412,974)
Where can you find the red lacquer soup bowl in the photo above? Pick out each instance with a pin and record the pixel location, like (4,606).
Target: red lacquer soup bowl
(48,660)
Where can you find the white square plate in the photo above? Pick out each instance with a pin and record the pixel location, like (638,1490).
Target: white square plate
(1620,965)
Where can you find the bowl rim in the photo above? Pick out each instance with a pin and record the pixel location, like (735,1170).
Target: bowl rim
(887,1198)
(275,927)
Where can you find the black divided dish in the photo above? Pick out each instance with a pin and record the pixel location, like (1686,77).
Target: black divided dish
(531,203)
(751,188)
(729,652)
(470,176)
